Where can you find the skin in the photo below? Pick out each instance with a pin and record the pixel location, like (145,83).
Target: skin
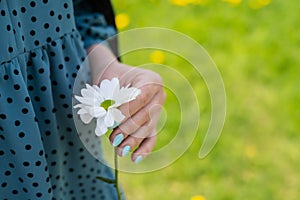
(141,114)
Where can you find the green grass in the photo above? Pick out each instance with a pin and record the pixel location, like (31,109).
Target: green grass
(256,51)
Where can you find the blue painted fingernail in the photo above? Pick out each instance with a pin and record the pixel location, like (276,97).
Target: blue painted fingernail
(138,159)
(125,150)
(118,139)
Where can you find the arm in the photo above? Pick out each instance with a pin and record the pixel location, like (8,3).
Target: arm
(142,114)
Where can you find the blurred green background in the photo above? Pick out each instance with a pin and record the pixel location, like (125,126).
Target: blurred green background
(256,46)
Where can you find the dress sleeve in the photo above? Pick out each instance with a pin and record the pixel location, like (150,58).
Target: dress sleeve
(95,21)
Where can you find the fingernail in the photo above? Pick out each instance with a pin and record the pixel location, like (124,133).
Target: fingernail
(118,139)
(125,150)
(138,159)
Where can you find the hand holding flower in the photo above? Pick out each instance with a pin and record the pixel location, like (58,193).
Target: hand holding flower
(138,128)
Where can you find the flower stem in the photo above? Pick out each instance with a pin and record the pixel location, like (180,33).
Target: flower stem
(116,175)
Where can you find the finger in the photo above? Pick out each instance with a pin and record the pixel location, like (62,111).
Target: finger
(149,113)
(144,149)
(148,92)
(134,140)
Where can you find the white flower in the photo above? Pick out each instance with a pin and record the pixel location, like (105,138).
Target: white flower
(102,103)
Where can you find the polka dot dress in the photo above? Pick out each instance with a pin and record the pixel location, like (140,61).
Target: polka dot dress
(41,49)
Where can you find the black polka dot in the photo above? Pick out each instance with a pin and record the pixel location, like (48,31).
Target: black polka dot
(36,43)
(8,28)
(41,153)
(24,110)
(39,194)
(48,39)
(27,99)
(12,152)
(30,88)
(38,163)
(16,72)
(28,147)
(30,175)
(46,25)
(14,12)
(51,13)
(7,173)
(35,184)
(17,123)
(21,135)
(9,100)
(33,54)
(2,116)
(15,192)
(32,4)
(11,165)
(10,49)
(41,71)
(33,19)
(4,184)
(26,164)
(32,32)
(21,180)
(16,86)
(43,88)
(23,9)
(3,12)
(5,77)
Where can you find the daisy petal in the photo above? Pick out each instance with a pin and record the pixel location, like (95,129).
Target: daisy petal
(86,118)
(82,111)
(86,101)
(96,111)
(117,115)
(126,95)
(106,89)
(109,120)
(101,128)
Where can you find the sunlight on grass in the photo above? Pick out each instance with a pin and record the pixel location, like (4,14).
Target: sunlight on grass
(255,44)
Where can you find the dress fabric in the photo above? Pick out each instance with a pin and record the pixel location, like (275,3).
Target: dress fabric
(41,50)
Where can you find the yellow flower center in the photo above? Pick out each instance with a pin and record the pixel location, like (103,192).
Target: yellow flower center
(105,104)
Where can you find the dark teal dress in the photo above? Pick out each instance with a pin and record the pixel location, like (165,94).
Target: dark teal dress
(41,49)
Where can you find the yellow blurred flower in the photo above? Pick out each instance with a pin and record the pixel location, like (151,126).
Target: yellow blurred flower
(187,2)
(257,4)
(250,151)
(157,57)
(198,197)
(122,20)
(233,2)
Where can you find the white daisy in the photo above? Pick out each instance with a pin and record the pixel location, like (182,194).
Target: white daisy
(102,103)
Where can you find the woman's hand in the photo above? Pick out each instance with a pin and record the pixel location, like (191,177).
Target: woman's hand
(138,130)
(139,127)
